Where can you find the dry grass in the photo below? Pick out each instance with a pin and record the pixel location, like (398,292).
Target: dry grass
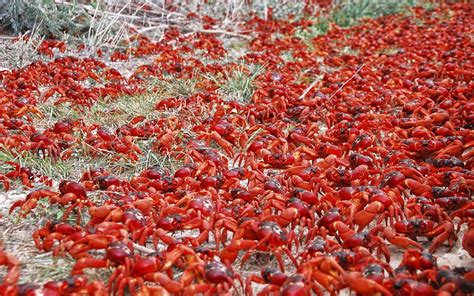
(19,53)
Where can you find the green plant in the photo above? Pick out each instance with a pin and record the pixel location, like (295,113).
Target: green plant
(41,165)
(49,19)
(239,84)
(349,13)
(320,27)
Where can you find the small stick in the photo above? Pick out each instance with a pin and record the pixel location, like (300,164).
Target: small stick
(347,81)
(306,91)
(235,34)
(143,249)
(44,255)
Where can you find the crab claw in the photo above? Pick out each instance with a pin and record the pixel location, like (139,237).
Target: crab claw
(361,285)
(368,214)
(401,241)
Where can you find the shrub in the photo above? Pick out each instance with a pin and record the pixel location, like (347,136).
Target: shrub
(43,16)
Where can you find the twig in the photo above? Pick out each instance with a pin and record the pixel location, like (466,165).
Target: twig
(44,255)
(162,20)
(143,249)
(96,11)
(306,91)
(152,28)
(347,81)
(221,32)
(8,37)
